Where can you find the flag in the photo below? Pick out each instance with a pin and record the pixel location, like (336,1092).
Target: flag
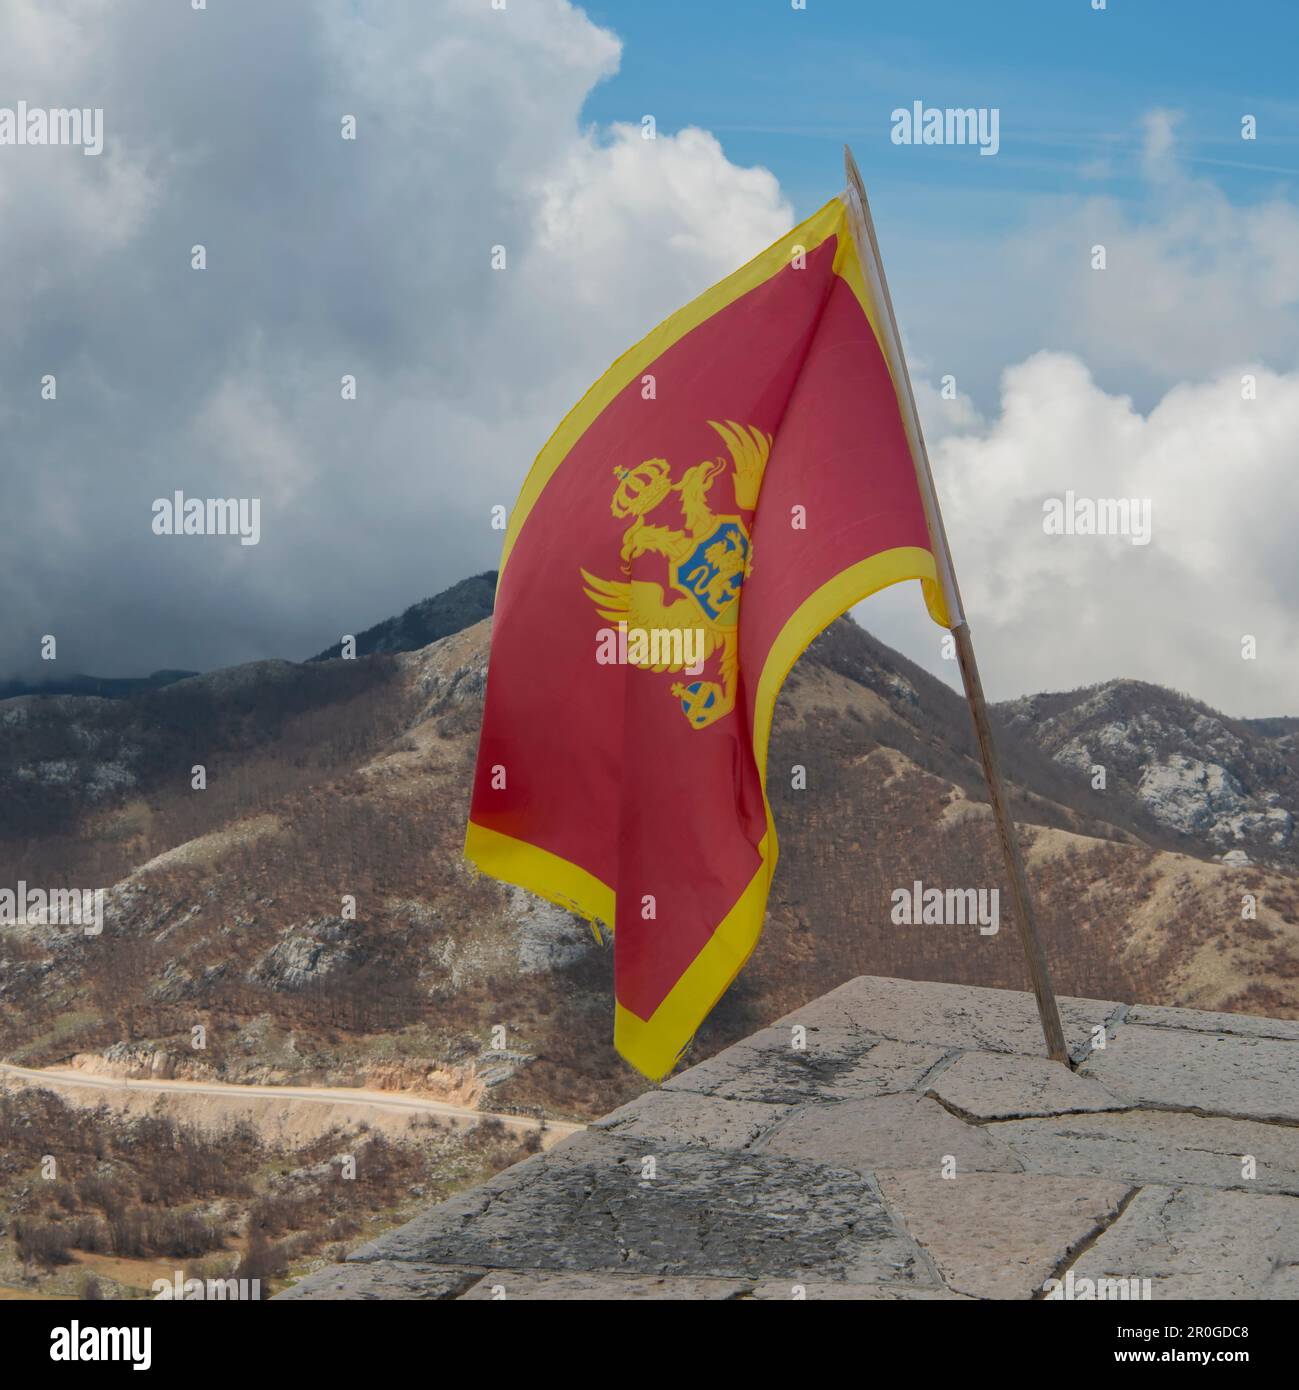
(733,483)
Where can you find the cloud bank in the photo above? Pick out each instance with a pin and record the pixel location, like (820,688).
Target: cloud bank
(372,259)
(326,258)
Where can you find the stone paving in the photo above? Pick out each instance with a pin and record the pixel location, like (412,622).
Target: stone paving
(899,1140)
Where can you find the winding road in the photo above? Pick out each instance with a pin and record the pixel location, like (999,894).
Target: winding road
(387,1101)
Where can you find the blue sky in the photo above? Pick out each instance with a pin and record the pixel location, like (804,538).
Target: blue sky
(785,88)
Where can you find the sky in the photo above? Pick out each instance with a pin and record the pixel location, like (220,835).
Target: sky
(522,127)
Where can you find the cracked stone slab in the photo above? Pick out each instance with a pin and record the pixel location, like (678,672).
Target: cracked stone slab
(813,1290)
(507,1284)
(1005,1085)
(984,1020)
(1182,1069)
(1197,1243)
(1199,1021)
(1000,1235)
(833,1064)
(703,1212)
(684,1117)
(1158,1146)
(904,1131)
(389,1280)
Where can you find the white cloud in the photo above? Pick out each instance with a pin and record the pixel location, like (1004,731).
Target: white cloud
(1198,292)
(64,213)
(1052,612)
(1192,281)
(1159,135)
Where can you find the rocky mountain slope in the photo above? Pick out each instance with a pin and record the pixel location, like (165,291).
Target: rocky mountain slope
(452,610)
(310,911)
(1220,785)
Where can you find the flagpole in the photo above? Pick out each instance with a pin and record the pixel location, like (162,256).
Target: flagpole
(1025,919)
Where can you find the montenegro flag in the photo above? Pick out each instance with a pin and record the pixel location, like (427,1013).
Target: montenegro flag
(732,484)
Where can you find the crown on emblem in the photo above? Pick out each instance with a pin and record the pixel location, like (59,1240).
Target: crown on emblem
(642,488)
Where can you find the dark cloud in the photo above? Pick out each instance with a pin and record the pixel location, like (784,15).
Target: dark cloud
(325,257)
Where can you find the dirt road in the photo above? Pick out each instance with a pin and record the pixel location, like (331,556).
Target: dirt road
(351,1102)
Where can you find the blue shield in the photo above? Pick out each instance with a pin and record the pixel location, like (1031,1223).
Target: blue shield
(713,572)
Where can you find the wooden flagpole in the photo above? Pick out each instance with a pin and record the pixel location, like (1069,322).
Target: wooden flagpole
(1025,920)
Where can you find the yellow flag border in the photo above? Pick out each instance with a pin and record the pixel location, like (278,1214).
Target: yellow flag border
(830,220)
(653,1045)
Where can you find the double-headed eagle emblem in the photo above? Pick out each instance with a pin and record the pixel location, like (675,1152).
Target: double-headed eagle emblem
(707,563)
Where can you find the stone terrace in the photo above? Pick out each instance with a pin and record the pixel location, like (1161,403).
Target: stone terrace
(775,1170)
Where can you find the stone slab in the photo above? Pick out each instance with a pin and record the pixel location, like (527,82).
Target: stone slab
(1158,1146)
(833,1064)
(1184,1069)
(1000,1235)
(1197,1243)
(703,1213)
(1006,1085)
(384,1279)
(962,1016)
(605,1286)
(507,1284)
(904,1131)
(1200,1021)
(685,1117)
(816,1290)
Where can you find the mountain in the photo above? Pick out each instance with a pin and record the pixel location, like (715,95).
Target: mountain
(106,687)
(1225,786)
(453,610)
(310,906)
